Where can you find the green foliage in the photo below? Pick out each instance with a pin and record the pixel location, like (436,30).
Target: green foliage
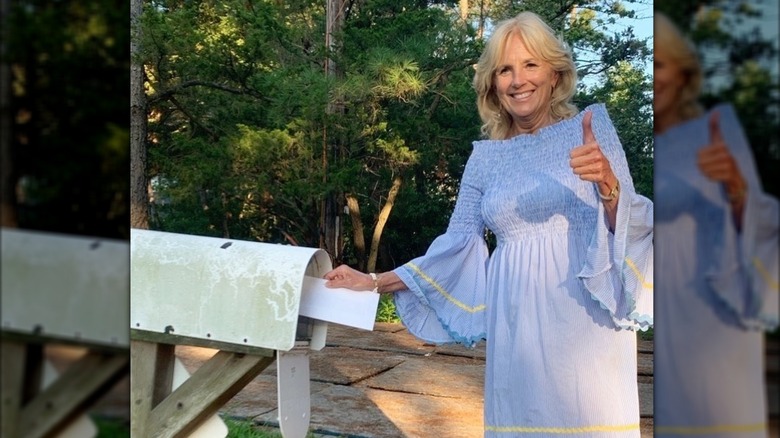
(112,428)
(69,64)
(246,429)
(386,310)
(240,428)
(627,95)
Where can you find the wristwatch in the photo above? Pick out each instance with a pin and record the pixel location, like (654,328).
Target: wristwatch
(376,282)
(612,193)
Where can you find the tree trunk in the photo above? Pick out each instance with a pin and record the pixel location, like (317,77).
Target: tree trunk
(482,18)
(330,230)
(139,184)
(358,236)
(463,5)
(384,214)
(226,215)
(7,193)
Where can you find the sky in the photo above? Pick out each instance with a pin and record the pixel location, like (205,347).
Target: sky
(643,26)
(768,23)
(643,29)
(768,26)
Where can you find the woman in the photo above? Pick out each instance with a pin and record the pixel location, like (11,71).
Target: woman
(717,240)
(573,259)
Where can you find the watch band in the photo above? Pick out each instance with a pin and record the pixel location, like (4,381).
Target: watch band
(612,193)
(376,282)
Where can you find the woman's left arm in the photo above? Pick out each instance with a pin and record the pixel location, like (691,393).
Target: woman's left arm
(718,164)
(618,267)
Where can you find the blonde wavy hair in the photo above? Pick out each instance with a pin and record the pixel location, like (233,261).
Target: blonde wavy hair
(540,40)
(683,53)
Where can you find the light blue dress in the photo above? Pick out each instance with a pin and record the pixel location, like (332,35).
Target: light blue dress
(555,297)
(717,289)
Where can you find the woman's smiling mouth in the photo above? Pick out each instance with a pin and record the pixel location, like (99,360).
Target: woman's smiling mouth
(521,96)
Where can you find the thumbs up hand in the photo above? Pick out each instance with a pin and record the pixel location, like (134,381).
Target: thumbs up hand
(589,162)
(716,162)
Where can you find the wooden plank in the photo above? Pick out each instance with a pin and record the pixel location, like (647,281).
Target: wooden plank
(201,396)
(163,372)
(11,386)
(644,364)
(644,346)
(48,338)
(142,369)
(33,372)
(80,385)
(173,339)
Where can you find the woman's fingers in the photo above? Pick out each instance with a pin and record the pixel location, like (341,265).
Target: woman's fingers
(589,163)
(346,277)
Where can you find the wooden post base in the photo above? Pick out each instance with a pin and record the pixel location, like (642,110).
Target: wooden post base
(157,412)
(30,412)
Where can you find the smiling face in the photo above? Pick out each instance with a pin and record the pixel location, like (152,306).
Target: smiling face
(669,79)
(524,84)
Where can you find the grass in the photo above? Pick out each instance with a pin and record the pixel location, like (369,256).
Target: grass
(239,428)
(247,429)
(112,427)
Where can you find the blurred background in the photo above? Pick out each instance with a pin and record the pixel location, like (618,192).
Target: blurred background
(737,44)
(65,110)
(64,144)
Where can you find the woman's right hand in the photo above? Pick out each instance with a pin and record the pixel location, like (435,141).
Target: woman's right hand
(346,277)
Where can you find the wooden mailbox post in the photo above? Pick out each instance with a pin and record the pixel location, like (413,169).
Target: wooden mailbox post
(60,289)
(241,298)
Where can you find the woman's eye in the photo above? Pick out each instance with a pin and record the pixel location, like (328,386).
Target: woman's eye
(503,71)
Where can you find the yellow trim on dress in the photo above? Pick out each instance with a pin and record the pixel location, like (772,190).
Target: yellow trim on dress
(709,430)
(562,430)
(645,284)
(444,293)
(765,274)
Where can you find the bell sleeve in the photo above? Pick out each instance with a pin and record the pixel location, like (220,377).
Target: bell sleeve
(743,272)
(445,299)
(618,268)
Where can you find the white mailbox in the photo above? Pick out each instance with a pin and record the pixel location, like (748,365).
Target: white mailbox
(60,289)
(222,290)
(65,287)
(240,297)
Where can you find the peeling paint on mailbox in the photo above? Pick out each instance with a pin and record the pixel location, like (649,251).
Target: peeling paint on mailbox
(225,290)
(67,287)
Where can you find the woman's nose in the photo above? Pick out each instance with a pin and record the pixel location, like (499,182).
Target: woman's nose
(517,80)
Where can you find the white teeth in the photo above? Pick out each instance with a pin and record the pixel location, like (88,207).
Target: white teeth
(521,95)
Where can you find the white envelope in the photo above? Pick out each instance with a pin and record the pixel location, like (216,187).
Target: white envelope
(338,305)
